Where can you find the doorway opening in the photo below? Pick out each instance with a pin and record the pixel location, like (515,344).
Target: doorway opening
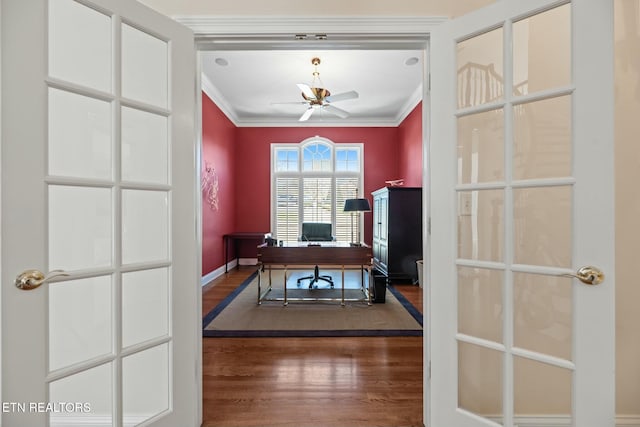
(265,35)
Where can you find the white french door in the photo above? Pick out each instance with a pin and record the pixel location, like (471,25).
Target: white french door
(521,198)
(98,180)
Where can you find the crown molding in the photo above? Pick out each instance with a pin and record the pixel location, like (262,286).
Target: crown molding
(408,107)
(204,25)
(214,95)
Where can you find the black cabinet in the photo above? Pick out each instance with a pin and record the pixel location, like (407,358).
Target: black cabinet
(397,232)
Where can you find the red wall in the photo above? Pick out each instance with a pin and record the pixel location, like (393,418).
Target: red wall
(241,158)
(410,150)
(253,169)
(219,150)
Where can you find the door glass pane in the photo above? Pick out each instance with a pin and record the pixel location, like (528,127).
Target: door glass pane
(144,67)
(89,393)
(480,63)
(538,41)
(481,147)
(543,312)
(542,139)
(145,308)
(145,147)
(79,136)
(481,225)
(80,48)
(145,222)
(80,320)
(480,304)
(80,238)
(145,384)
(480,381)
(542,226)
(541,391)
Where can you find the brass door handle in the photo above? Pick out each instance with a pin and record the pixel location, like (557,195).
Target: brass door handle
(588,274)
(31,279)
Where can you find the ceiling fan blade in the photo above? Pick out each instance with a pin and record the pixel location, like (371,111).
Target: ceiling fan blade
(290,103)
(342,96)
(335,110)
(305,116)
(306,90)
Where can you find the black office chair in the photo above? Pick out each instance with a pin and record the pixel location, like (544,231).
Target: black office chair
(316,232)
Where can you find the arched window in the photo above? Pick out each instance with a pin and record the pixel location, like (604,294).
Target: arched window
(310,182)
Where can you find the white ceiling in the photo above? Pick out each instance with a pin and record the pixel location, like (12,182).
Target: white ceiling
(253,80)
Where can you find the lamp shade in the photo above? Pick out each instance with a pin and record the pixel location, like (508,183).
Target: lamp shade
(356,205)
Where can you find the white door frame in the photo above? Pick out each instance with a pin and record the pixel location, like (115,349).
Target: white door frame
(258,33)
(415,30)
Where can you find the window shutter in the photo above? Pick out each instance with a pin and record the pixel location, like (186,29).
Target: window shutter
(287,209)
(346,188)
(317,200)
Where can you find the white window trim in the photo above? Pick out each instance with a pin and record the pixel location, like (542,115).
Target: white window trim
(312,174)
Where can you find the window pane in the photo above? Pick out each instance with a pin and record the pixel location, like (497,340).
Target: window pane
(317,157)
(347,160)
(481,147)
(531,46)
(480,62)
(286,160)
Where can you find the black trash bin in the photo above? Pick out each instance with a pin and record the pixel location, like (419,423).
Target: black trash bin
(379,288)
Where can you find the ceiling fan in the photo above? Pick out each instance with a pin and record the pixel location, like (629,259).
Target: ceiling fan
(319,98)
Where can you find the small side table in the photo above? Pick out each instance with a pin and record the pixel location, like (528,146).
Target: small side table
(239,235)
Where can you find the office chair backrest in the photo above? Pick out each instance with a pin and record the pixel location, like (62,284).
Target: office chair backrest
(316,232)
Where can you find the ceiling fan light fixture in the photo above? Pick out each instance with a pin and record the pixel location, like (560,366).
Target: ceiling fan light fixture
(319,94)
(319,98)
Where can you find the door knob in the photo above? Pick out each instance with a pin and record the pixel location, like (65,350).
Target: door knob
(588,274)
(31,279)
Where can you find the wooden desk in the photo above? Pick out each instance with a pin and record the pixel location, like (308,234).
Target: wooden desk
(242,235)
(305,256)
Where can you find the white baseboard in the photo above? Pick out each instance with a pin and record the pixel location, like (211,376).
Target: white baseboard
(92,421)
(206,279)
(628,421)
(563,421)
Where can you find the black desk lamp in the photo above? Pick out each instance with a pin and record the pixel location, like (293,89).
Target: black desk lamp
(356,205)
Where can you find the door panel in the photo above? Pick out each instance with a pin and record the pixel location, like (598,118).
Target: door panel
(103,125)
(509,346)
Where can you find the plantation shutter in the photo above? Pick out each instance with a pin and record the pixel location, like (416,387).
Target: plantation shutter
(346,188)
(317,200)
(287,209)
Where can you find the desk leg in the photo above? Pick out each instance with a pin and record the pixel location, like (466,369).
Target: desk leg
(342,303)
(370,284)
(259,283)
(285,286)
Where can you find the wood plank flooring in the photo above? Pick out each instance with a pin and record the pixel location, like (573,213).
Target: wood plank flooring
(299,382)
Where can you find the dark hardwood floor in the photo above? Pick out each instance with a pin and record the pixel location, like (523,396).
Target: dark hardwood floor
(324,382)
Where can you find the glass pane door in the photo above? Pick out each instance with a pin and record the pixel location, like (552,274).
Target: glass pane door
(94,121)
(518,220)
